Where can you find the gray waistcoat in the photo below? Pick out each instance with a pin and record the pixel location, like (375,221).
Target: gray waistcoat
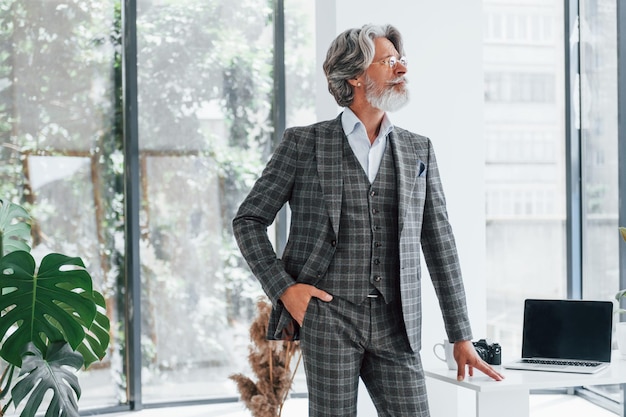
(367,254)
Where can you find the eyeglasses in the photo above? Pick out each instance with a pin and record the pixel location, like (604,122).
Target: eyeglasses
(392,61)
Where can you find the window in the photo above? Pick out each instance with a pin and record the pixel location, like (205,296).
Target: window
(521,145)
(520,87)
(598,131)
(205,130)
(518,26)
(599,156)
(524,173)
(60,150)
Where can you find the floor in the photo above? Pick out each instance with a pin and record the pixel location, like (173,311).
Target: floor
(540,406)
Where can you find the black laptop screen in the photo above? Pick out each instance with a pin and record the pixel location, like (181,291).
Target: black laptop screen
(567,329)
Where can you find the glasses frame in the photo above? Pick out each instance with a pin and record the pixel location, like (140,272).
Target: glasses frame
(392,61)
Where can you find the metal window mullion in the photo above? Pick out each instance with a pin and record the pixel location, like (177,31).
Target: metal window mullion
(132,205)
(621,141)
(573,163)
(280,105)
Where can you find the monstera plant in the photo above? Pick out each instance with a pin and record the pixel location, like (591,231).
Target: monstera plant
(52,322)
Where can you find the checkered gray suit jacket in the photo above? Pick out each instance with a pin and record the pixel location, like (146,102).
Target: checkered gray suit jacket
(306,171)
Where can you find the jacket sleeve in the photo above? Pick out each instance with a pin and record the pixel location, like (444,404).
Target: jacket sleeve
(440,253)
(258,211)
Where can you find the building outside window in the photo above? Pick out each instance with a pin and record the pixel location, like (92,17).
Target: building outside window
(525,161)
(599,155)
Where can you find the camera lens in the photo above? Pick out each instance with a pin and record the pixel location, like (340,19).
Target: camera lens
(482,352)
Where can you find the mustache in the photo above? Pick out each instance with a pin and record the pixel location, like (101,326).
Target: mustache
(399,80)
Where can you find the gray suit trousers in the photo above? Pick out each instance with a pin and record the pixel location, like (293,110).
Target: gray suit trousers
(341,341)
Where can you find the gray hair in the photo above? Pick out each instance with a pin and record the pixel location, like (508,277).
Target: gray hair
(350,54)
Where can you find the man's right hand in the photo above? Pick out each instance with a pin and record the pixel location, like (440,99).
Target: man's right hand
(296,299)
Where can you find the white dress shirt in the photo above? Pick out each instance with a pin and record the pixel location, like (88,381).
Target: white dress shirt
(369,154)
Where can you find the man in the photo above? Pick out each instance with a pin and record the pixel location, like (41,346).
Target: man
(364,196)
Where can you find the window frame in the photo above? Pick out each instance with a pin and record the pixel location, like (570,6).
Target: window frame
(573,172)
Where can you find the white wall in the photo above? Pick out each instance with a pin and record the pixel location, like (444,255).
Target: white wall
(443,42)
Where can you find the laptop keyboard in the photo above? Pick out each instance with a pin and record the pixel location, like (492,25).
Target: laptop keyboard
(562,362)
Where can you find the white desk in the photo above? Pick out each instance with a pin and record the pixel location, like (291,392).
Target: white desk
(510,397)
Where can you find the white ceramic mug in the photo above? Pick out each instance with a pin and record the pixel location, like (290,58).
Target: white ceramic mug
(448,355)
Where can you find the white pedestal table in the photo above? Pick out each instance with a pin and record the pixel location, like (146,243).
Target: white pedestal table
(510,397)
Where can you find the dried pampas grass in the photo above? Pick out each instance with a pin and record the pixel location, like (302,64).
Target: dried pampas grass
(270,361)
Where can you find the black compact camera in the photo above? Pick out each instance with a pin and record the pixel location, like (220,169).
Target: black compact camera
(490,353)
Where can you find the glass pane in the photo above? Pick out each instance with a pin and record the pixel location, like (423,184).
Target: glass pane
(205,106)
(525,165)
(60,155)
(300,62)
(300,86)
(598,34)
(600,244)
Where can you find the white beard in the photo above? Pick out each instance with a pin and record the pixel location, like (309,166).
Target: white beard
(386,98)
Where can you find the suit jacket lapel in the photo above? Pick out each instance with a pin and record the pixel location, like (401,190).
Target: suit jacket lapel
(329,168)
(406,159)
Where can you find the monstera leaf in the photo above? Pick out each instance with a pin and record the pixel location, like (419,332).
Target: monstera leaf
(94,346)
(14,228)
(41,373)
(51,314)
(54,303)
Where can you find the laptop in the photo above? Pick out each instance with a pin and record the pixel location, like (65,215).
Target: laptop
(566,336)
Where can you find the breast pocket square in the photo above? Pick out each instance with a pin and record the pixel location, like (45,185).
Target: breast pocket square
(421,168)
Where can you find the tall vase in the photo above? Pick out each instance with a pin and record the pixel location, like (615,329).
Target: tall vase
(621,338)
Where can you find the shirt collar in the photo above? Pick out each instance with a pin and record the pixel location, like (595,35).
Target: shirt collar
(351,123)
